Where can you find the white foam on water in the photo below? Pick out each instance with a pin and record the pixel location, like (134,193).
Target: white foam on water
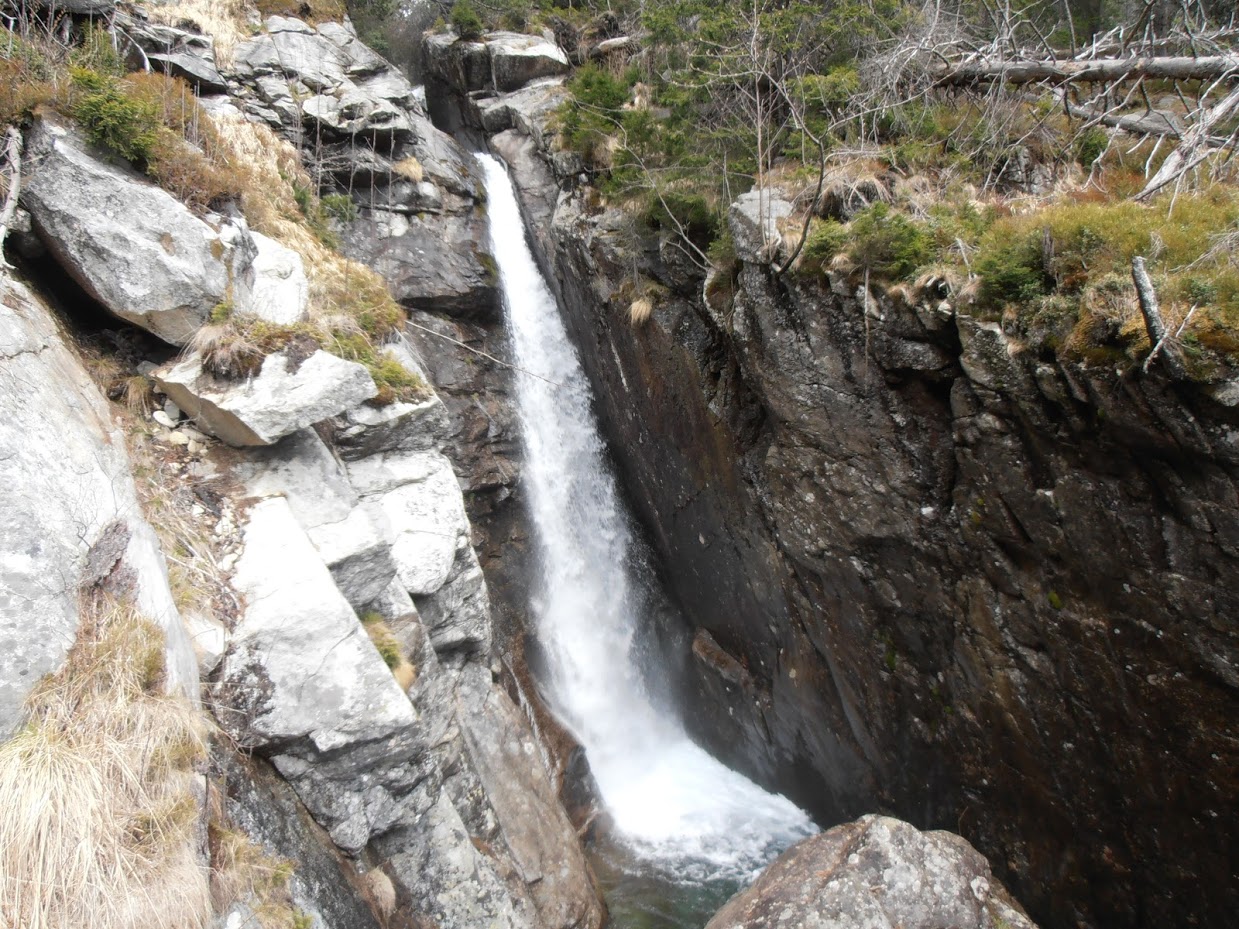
(671,802)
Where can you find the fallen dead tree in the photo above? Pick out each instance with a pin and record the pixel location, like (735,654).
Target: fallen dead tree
(1098,70)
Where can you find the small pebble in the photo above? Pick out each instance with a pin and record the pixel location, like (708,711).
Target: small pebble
(164,420)
(195,448)
(173,411)
(177,439)
(194,434)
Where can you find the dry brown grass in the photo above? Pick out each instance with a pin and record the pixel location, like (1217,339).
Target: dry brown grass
(639,310)
(410,169)
(389,648)
(98,822)
(241,872)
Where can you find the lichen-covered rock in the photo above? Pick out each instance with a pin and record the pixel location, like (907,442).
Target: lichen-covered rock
(69,514)
(754,222)
(175,51)
(877,872)
(418,496)
(517,59)
(286,395)
(132,246)
(431,262)
(502,61)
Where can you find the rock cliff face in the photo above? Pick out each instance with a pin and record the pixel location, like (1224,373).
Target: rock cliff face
(387,753)
(926,570)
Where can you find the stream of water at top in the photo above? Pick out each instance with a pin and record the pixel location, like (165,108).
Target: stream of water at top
(687,831)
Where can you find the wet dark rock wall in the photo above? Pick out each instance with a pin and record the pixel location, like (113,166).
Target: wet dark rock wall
(927,572)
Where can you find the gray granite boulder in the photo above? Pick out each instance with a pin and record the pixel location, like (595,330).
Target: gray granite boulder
(302,682)
(754,223)
(875,872)
(354,546)
(132,246)
(69,514)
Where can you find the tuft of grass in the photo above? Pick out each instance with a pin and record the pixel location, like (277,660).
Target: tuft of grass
(242,872)
(225,21)
(389,648)
(310,11)
(98,827)
(410,169)
(639,310)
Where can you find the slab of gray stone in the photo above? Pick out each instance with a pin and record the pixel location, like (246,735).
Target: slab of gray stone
(282,398)
(69,513)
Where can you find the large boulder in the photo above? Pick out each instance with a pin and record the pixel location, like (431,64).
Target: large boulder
(132,246)
(502,61)
(69,514)
(517,59)
(326,76)
(434,263)
(303,682)
(878,872)
(418,496)
(275,286)
(178,52)
(286,395)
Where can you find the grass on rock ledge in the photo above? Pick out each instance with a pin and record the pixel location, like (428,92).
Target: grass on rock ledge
(99,823)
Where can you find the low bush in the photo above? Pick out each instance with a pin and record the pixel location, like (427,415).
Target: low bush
(690,212)
(466,21)
(826,239)
(888,243)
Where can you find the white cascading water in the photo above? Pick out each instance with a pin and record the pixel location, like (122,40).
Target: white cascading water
(672,803)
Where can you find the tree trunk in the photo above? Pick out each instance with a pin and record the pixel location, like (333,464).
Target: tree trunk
(1182,68)
(1158,341)
(13,151)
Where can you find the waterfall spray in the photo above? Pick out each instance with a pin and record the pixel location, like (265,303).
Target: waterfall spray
(672,803)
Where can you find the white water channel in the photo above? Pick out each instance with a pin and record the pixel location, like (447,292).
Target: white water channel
(672,804)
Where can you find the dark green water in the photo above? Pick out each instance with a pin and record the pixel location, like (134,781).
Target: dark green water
(641,896)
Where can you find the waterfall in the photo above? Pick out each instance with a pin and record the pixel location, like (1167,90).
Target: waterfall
(671,803)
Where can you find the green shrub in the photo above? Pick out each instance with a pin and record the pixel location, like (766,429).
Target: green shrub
(691,211)
(340,207)
(825,240)
(1011,268)
(466,21)
(112,117)
(888,243)
(1089,146)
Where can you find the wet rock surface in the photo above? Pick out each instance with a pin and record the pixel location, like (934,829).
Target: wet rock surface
(978,588)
